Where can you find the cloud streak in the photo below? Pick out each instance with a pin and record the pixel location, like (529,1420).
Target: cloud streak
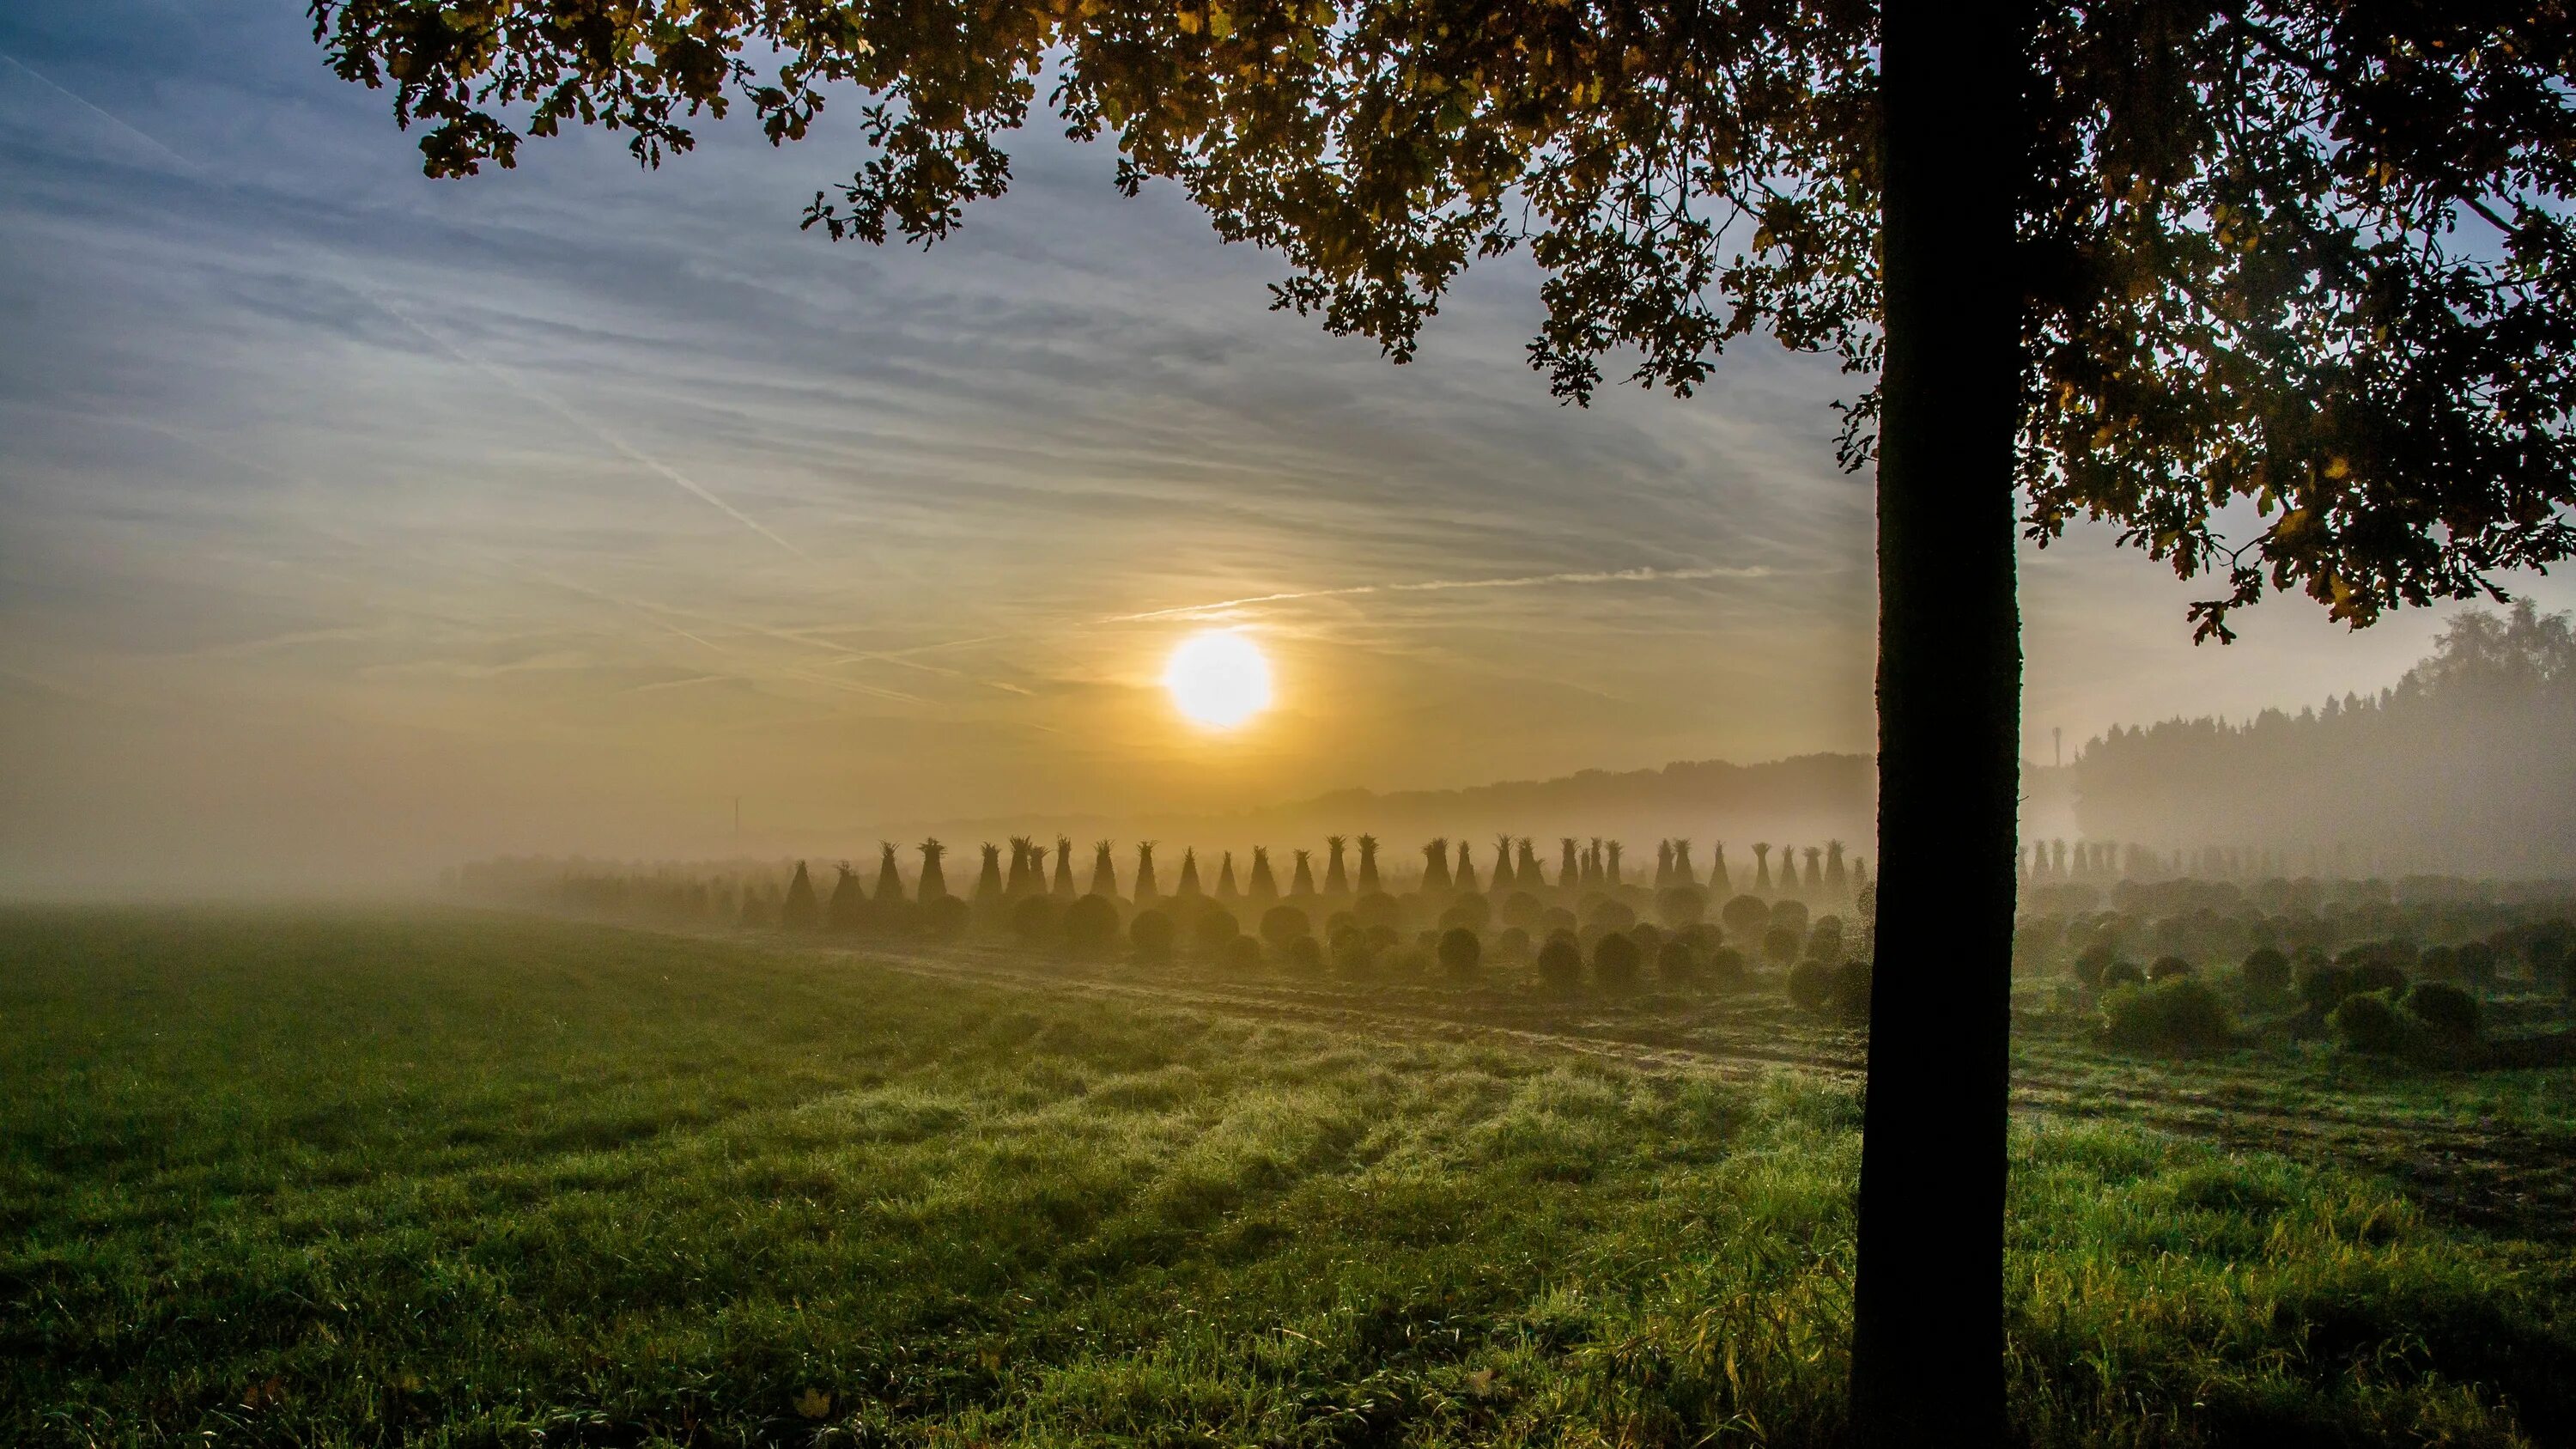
(1435,586)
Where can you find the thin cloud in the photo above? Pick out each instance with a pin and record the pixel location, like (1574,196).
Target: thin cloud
(1432,586)
(507,379)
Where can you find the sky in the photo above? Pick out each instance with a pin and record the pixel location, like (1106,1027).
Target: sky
(352,523)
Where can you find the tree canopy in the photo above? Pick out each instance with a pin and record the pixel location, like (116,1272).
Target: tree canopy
(2299,275)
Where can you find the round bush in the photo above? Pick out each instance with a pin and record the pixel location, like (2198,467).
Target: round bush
(1726,968)
(2478,963)
(2439,963)
(1557,918)
(1377,908)
(1560,964)
(1283,924)
(1825,938)
(1616,963)
(1460,954)
(1302,954)
(2266,971)
(2166,968)
(944,917)
(1649,938)
(1338,922)
(1609,911)
(2443,1007)
(1151,934)
(1036,921)
(2323,987)
(1524,910)
(1353,956)
(1215,930)
(1745,917)
(1811,986)
(1512,945)
(1849,991)
(2123,973)
(1681,906)
(1789,915)
(1676,965)
(1240,953)
(1472,912)
(2092,961)
(2365,1022)
(1090,923)
(1780,945)
(1702,938)
(2178,1013)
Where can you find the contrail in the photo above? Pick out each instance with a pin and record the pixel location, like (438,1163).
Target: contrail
(1429,586)
(521,387)
(104,114)
(509,381)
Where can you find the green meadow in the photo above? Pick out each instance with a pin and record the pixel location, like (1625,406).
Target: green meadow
(449,1178)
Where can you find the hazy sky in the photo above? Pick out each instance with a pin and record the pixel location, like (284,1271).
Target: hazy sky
(351,522)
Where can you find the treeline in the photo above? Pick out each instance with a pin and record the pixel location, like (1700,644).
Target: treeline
(792,894)
(2464,768)
(1579,916)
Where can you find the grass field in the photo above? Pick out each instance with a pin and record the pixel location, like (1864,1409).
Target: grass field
(448,1178)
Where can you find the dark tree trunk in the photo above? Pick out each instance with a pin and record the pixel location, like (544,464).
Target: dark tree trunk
(1927,1343)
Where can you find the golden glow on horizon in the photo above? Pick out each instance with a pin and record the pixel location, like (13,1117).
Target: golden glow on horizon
(1218,679)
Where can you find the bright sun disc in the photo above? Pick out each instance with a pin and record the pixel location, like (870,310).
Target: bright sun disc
(1218,679)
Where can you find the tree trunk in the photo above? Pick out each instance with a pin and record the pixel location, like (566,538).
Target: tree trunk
(1927,1342)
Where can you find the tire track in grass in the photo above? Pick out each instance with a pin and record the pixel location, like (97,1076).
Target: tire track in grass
(2503,1179)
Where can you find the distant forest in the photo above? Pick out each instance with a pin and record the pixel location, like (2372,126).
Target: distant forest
(2466,766)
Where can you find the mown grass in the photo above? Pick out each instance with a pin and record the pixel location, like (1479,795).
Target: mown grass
(442,1178)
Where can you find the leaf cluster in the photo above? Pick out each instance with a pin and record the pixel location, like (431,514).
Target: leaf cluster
(2299,281)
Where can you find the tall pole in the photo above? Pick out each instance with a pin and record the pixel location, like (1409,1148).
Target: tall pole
(1927,1312)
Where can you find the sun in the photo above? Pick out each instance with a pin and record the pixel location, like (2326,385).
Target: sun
(1218,679)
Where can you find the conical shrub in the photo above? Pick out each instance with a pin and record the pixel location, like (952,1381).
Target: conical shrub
(1435,867)
(1336,883)
(1684,873)
(1302,883)
(1104,871)
(1762,868)
(1225,887)
(1526,874)
(933,884)
(1814,880)
(1610,865)
(1063,888)
(1018,884)
(1720,884)
(848,908)
(1569,867)
(1189,890)
(1263,887)
(1838,874)
(1465,877)
(1592,864)
(1368,864)
(1504,883)
(1146,888)
(988,881)
(1663,864)
(889,875)
(799,912)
